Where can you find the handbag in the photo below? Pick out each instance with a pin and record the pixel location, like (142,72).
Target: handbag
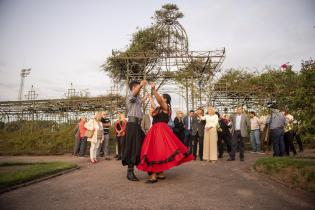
(89,133)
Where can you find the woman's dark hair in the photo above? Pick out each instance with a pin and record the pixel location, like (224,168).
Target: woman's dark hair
(168,98)
(168,101)
(253,113)
(133,83)
(217,113)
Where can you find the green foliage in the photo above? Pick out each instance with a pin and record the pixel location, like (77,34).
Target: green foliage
(168,13)
(146,45)
(144,42)
(17,173)
(293,91)
(38,137)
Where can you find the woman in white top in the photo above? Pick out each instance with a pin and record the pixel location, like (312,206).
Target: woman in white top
(210,152)
(98,135)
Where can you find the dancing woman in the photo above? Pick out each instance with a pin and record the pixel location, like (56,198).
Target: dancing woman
(161,149)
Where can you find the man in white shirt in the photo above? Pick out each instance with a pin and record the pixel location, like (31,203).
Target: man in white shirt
(240,126)
(255,132)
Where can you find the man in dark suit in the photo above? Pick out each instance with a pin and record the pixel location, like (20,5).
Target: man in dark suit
(224,135)
(198,129)
(188,129)
(240,127)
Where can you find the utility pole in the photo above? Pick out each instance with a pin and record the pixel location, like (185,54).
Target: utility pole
(24,73)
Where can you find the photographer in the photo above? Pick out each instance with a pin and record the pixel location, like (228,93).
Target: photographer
(276,122)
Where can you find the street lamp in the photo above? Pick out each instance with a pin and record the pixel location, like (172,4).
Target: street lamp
(24,73)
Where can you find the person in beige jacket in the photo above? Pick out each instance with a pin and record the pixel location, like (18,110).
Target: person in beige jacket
(98,135)
(210,148)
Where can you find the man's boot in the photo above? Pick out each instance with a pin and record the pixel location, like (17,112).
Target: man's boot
(130,174)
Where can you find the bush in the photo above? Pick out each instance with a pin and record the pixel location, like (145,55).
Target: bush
(40,138)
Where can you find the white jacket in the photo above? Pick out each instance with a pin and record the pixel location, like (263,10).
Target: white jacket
(94,125)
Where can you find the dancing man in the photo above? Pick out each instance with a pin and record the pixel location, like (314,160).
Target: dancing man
(161,149)
(134,134)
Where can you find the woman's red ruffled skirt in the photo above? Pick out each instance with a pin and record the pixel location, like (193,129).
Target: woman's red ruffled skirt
(162,150)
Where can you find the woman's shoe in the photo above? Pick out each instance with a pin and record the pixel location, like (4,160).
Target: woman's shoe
(151,181)
(160,176)
(92,161)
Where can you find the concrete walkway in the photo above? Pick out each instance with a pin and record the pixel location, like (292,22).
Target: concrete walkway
(194,185)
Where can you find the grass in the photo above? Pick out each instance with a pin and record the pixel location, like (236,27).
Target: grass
(14,173)
(296,172)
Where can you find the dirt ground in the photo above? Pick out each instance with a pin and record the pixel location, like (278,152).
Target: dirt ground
(194,185)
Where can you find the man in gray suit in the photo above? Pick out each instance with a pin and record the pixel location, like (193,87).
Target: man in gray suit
(240,127)
(198,129)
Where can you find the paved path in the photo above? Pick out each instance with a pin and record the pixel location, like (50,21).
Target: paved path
(194,185)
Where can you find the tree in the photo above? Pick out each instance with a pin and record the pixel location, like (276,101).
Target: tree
(292,90)
(146,46)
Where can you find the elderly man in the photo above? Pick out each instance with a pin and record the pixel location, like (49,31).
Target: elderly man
(240,127)
(188,130)
(198,129)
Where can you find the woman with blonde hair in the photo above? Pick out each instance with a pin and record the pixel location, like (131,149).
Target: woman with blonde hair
(95,127)
(179,127)
(210,147)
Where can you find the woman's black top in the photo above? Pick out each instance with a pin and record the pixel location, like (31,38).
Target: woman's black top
(178,125)
(160,116)
(225,128)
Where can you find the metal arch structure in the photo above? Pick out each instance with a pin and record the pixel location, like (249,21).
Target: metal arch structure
(225,100)
(59,110)
(172,57)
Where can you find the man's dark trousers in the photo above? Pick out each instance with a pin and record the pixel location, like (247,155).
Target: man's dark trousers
(276,136)
(237,142)
(198,140)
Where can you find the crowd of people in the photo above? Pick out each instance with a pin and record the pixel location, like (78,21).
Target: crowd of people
(153,144)
(96,131)
(272,131)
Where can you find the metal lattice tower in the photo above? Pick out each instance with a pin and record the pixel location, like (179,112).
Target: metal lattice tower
(24,73)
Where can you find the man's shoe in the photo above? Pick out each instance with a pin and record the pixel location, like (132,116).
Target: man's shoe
(230,159)
(241,159)
(134,177)
(131,176)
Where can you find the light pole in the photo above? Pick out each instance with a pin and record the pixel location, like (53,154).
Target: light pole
(24,73)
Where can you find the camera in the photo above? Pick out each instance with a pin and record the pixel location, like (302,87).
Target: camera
(271,104)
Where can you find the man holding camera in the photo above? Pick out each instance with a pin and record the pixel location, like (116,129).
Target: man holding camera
(276,121)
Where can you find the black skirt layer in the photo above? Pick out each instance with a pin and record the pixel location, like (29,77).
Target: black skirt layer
(132,144)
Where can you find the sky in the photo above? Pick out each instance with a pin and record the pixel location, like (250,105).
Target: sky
(66,41)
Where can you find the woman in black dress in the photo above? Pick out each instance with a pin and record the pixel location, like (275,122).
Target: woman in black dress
(179,127)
